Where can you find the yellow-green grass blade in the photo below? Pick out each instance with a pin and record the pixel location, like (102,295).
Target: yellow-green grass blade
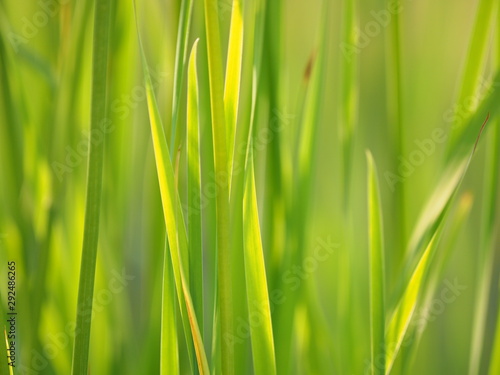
(256,282)
(459,218)
(233,76)
(476,58)
(81,346)
(407,304)
(194,189)
(401,318)
(169,360)
(224,281)
(177,237)
(377,271)
(181,55)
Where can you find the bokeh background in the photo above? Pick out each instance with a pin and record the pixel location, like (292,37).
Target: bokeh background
(45,75)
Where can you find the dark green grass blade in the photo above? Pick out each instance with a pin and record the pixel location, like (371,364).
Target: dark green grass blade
(377,272)
(94,186)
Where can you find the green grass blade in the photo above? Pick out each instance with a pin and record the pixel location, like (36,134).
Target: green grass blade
(233,76)
(169,360)
(407,304)
(194,189)
(476,56)
(377,272)
(177,237)
(221,172)
(256,282)
(94,186)
(180,64)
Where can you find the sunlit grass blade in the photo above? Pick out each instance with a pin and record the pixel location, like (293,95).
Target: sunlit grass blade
(256,282)
(169,360)
(181,55)
(224,281)
(377,271)
(173,220)
(194,189)
(459,218)
(233,76)
(102,20)
(407,304)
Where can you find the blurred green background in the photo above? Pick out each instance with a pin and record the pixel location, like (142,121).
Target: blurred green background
(45,76)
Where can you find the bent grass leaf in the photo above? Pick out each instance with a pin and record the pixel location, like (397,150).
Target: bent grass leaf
(172,212)
(407,304)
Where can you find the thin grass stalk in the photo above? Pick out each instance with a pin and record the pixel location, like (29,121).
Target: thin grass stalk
(94,186)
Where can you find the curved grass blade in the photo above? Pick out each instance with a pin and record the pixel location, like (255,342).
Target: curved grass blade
(377,271)
(407,304)
(224,288)
(194,189)
(256,282)
(233,76)
(102,19)
(180,64)
(177,237)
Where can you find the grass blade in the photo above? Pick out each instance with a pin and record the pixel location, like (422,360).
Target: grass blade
(256,282)
(94,187)
(173,220)
(194,189)
(233,76)
(377,272)
(180,64)
(221,172)
(495,360)
(169,360)
(407,304)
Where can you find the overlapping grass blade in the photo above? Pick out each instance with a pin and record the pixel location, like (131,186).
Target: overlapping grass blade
(177,237)
(377,271)
(94,184)
(256,282)
(194,189)
(233,76)
(181,55)
(224,288)
(407,304)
